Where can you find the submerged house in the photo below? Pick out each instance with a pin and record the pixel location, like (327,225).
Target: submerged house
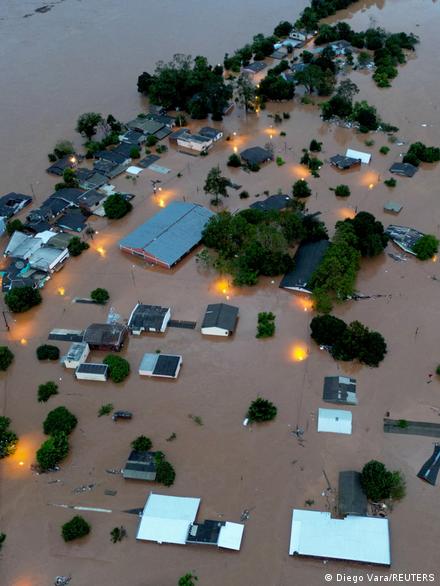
(354,538)
(256,156)
(171,519)
(12,203)
(194,142)
(308,257)
(220,320)
(403,169)
(344,163)
(161,365)
(140,466)
(430,469)
(404,237)
(211,133)
(76,355)
(106,336)
(334,421)
(148,318)
(92,371)
(170,235)
(340,389)
(352,499)
(277,202)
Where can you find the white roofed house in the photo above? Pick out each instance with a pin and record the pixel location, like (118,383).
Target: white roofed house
(76,355)
(364,158)
(194,142)
(334,421)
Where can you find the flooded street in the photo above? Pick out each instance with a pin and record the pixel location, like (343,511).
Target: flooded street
(85,55)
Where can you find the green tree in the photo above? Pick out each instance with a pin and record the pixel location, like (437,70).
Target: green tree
(327,329)
(315,146)
(234,161)
(21,299)
(76,246)
(59,420)
(342,190)
(116,206)
(63,148)
(347,90)
(100,296)
(14,226)
(245,91)
(8,439)
(301,189)
(88,124)
(283,29)
(266,325)
(69,177)
(380,484)
(275,88)
(135,152)
(366,115)
(261,410)
(216,184)
(426,247)
(370,235)
(142,444)
(76,528)
(46,390)
(119,368)
(6,358)
(2,539)
(48,352)
(52,451)
(189,579)
(165,473)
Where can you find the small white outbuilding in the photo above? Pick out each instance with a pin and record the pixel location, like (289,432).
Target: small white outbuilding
(76,355)
(92,371)
(334,421)
(364,158)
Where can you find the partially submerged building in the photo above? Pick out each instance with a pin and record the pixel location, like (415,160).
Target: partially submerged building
(92,371)
(276,202)
(256,156)
(430,469)
(404,237)
(212,133)
(403,169)
(308,257)
(255,67)
(160,365)
(220,320)
(364,158)
(334,421)
(140,465)
(392,207)
(344,163)
(171,519)
(194,142)
(168,236)
(12,203)
(352,499)
(355,538)
(148,318)
(76,355)
(340,389)
(110,337)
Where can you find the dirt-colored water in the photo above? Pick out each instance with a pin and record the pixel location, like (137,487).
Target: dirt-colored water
(82,56)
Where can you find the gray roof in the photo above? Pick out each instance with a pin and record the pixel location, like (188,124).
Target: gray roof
(140,466)
(221,315)
(92,368)
(207,532)
(91,199)
(307,259)
(255,67)
(147,316)
(405,169)
(73,220)
(75,351)
(403,236)
(352,499)
(256,155)
(170,234)
(11,203)
(430,469)
(340,389)
(167,365)
(273,202)
(68,194)
(145,125)
(105,334)
(210,132)
(392,206)
(344,162)
(59,240)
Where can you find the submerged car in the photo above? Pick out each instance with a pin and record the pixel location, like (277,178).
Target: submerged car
(122,415)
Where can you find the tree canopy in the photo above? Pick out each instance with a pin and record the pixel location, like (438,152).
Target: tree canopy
(420,153)
(261,410)
(88,124)
(6,358)
(48,352)
(380,484)
(119,368)
(100,295)
(59,420)
(76,246)
(21,299)
(8,438)
(142,444)
(426,247)
(116,206)
(75,528)
(52,451)
(216,184)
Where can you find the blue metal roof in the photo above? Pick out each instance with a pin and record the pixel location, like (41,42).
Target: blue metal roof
(171,233)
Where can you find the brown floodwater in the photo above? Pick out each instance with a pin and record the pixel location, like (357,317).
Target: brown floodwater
(80,56)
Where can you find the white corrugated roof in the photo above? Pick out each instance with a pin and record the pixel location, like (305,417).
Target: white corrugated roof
(364,157)
(334,420)
(231,535)
(166,519)
(364,539)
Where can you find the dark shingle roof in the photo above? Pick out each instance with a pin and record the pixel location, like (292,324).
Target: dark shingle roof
(255,67)
(104,334)
(430,469)
(342,162)
(166,365)
(147,316)
(140,466)
(352,499)
(221,315)
(405,169)
(210,132)
(112,156)
(92,368)
(256,155)
(340,389)
(273,202)
(11,203)
(69,194)
(72,220)
(307,259)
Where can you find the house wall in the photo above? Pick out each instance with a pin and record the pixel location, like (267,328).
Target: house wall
(214,331)
(194,145)
(90,376)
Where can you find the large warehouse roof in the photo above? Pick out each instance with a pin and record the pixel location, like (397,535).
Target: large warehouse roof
(170,234)
(362,539)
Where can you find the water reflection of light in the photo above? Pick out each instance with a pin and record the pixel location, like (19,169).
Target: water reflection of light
(304,303)
(369,179)
(161,203)
(299,352)
(345,213)
(61,291)
(23,341)
(300,171)
(223,287)
(101,251)
(434,258)
(235,149)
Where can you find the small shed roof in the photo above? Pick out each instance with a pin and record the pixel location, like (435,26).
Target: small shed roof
(231,535)
(160,364)
(430,469)
(92,368)
(352,498)
(140,465)
(340,389)
(363,157)
(334,421)
(392,207)
(166,519)
(76,350)
(221,315)
(307,259)
(403,236)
